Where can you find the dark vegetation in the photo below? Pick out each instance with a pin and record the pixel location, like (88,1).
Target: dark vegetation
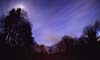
(17,43)
(15,37)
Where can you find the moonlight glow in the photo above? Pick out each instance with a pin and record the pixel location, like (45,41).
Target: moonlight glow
(19,6)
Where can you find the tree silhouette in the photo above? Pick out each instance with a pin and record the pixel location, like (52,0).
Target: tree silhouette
(1,31)
(90,33)
(89,45)
(17,38)
(17,29)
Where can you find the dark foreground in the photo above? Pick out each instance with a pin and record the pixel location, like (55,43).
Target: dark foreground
(15,54)
(63,57)
(54,57)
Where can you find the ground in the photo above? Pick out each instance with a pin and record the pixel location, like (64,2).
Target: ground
(53,57)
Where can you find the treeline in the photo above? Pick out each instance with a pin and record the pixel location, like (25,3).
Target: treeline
(87,47)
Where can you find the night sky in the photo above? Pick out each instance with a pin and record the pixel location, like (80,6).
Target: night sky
(52,19)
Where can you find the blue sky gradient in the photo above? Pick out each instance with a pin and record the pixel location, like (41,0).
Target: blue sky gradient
(52,19)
